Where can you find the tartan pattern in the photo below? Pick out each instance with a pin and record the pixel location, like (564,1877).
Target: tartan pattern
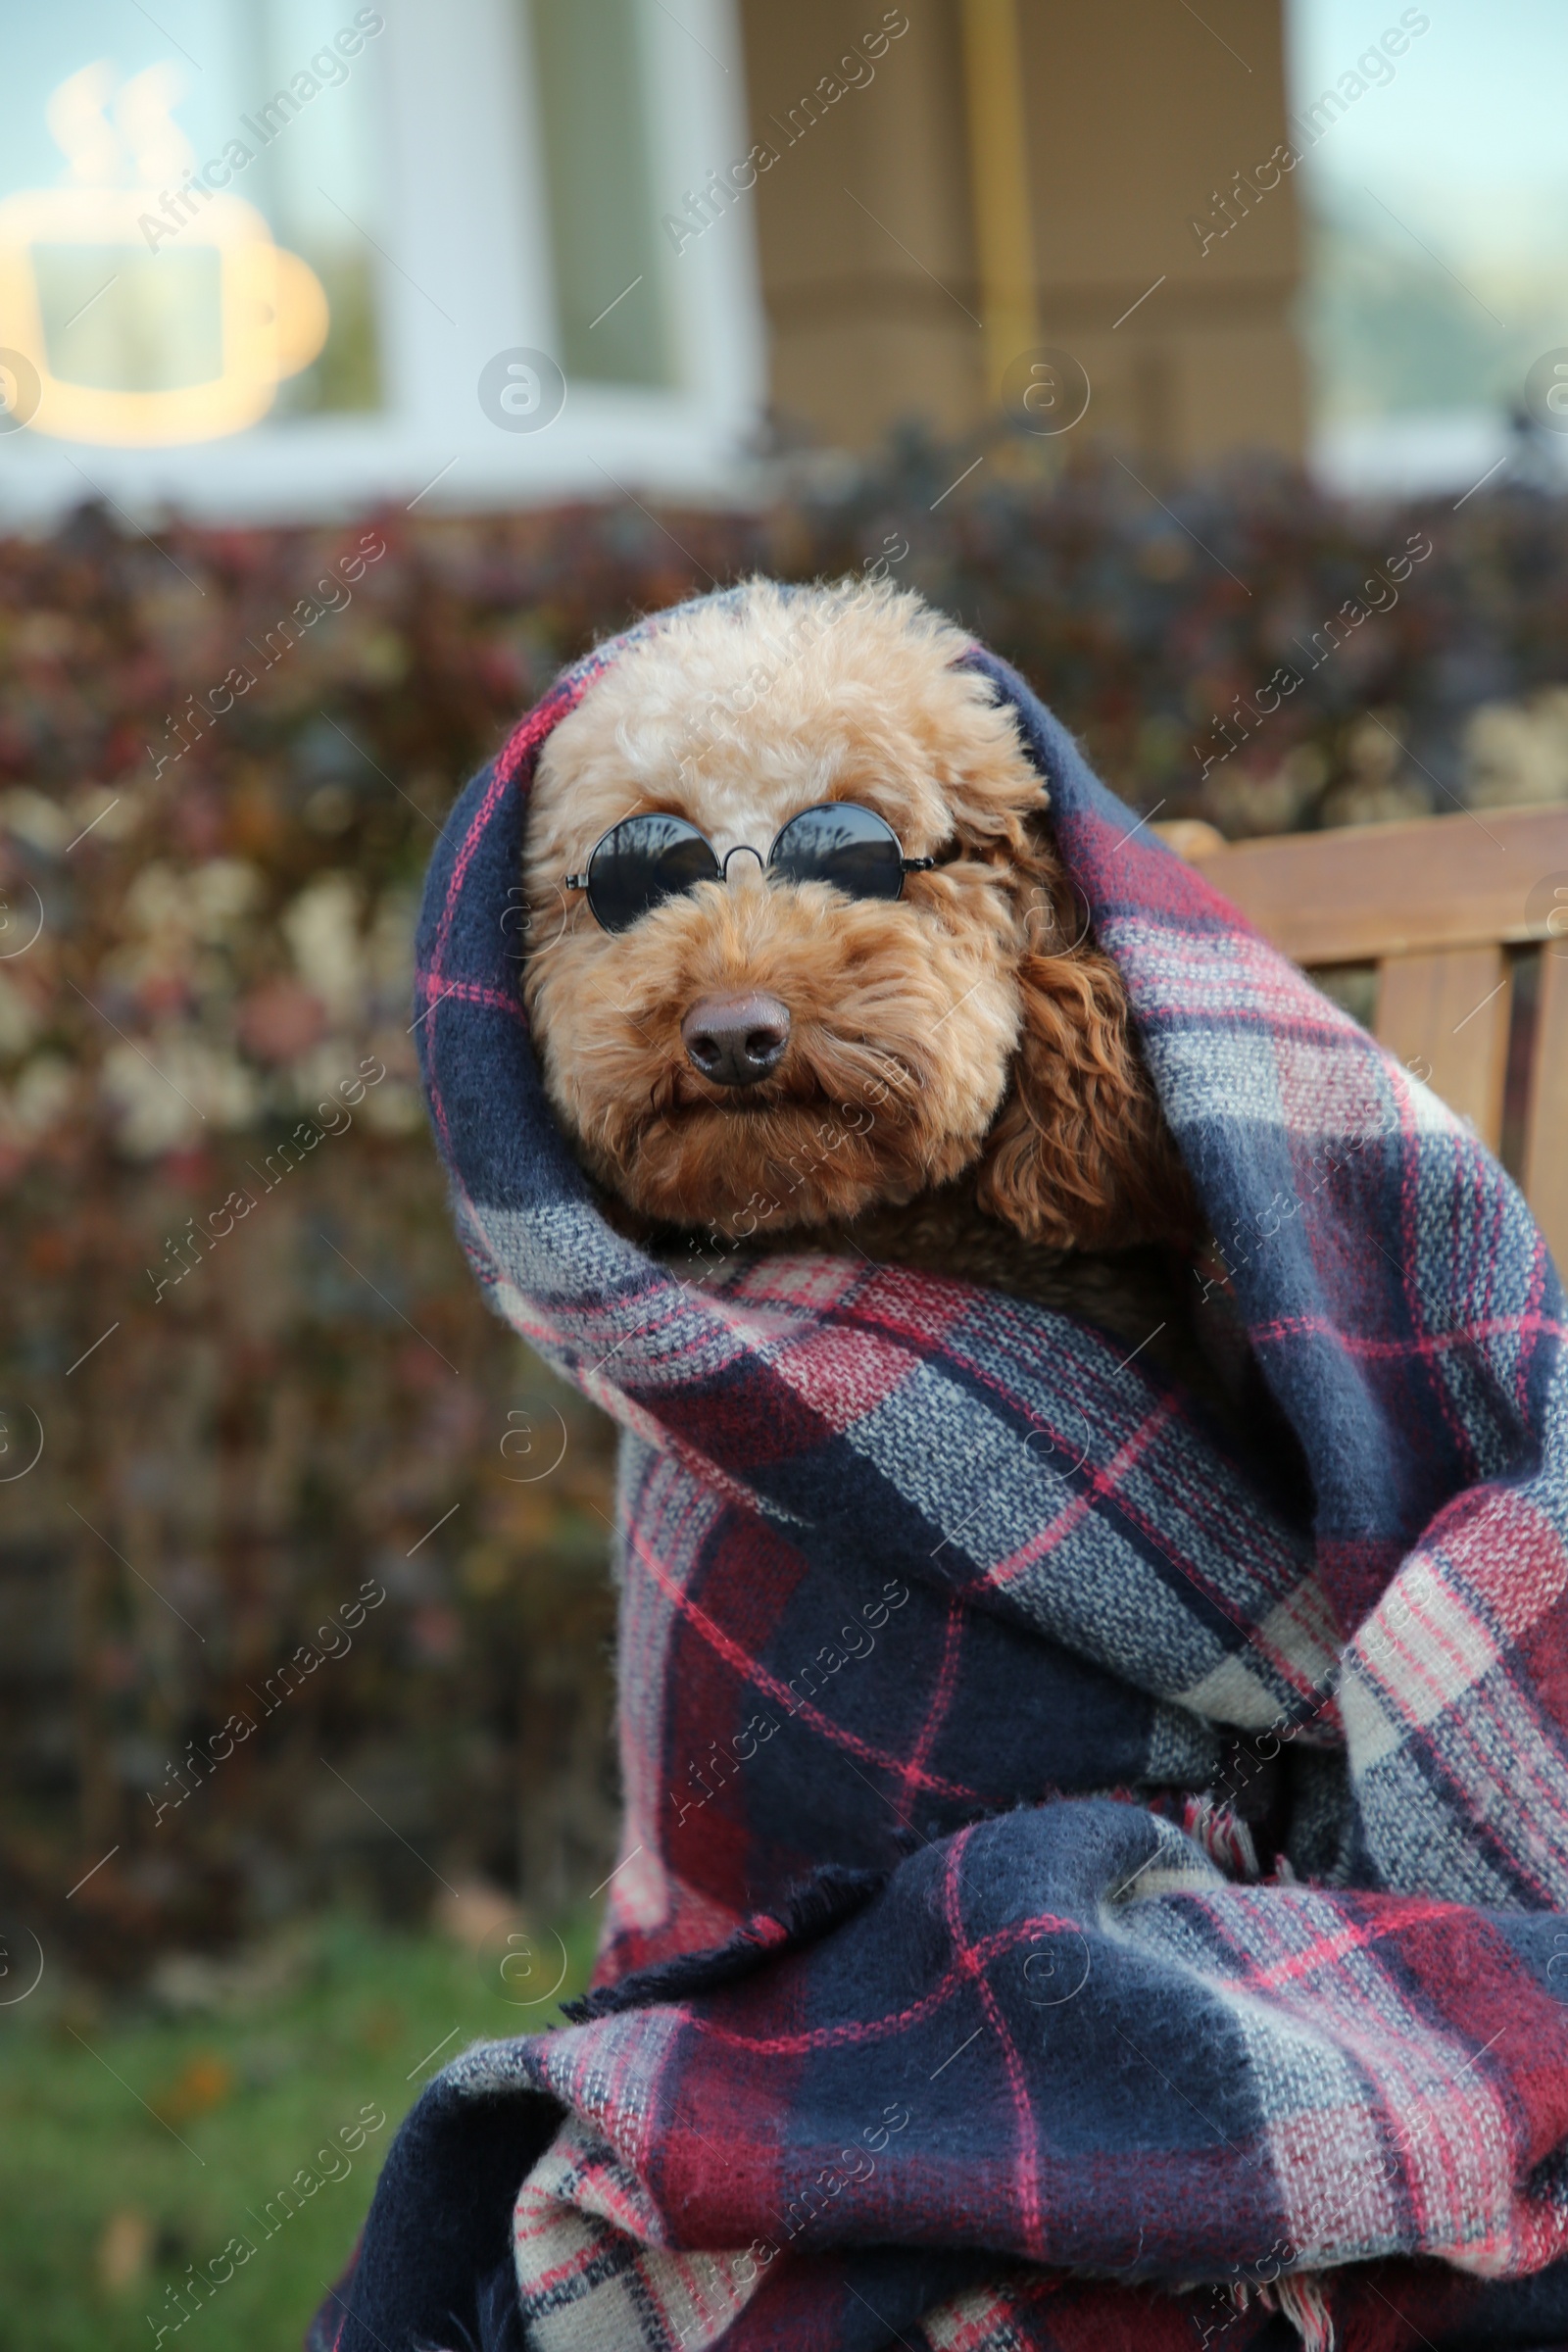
(932,1586)
(587,2238)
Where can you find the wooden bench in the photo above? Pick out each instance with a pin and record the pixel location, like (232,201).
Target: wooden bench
(1456,929)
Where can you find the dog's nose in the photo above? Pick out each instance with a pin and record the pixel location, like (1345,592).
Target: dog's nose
(735,1039)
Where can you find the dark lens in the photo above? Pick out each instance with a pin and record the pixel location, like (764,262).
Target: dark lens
(843,843)
(644,860)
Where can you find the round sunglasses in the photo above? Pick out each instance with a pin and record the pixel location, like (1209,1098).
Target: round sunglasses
(645,860)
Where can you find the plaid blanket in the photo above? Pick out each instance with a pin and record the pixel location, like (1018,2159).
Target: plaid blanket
(1076,1891)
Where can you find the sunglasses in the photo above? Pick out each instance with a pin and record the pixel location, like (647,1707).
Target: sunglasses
(645,860)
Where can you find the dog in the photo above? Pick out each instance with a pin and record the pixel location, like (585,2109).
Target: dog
(805,968)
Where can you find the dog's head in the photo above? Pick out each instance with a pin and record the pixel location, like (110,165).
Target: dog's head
(770,1049)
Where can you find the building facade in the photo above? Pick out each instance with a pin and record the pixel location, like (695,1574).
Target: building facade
(265,256)
(1109,181)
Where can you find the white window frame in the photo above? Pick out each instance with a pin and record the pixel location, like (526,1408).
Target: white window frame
(466,274)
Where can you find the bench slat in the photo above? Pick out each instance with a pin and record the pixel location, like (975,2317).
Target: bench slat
(1359,893)
(1545,1161)
(1451,1010)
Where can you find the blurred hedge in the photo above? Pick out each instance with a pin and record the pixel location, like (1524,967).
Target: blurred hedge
(208,896)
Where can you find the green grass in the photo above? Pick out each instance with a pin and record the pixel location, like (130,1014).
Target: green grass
(338,2021)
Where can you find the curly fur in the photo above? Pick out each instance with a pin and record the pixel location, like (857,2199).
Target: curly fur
(961,1056)
(1079,1156)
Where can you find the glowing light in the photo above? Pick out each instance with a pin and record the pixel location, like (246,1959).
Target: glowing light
(154,311)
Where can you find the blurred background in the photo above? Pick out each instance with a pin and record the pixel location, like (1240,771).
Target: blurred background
(359,366)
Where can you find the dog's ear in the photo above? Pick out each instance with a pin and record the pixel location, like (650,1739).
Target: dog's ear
(1079,1156)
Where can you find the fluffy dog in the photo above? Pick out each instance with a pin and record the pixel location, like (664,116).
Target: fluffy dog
(945,1077)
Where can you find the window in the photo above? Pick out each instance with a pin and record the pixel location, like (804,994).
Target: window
(257,255)
(1434,203)
(609,261)
(185,232)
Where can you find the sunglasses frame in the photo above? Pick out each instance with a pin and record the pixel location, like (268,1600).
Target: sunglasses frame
(583,881)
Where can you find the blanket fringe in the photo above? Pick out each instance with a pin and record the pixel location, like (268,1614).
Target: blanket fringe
(1223,1836)
(1302,2302)
(1298,2300)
